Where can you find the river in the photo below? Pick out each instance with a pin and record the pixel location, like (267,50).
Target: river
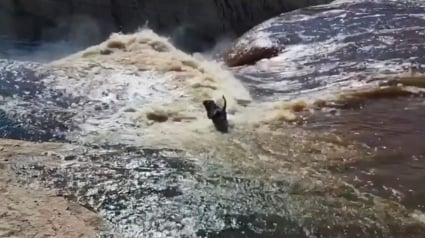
(325,139)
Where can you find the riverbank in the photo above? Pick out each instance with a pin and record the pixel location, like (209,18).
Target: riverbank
(37,212)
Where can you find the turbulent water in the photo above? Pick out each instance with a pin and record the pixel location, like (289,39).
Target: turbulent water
(330,48)
(139,149)
(367,58)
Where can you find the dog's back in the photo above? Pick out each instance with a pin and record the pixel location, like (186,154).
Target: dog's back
(220,121)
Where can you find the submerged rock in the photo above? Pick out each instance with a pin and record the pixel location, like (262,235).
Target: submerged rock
(338,44)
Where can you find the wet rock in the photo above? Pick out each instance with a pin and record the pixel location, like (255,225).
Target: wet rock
(245,55)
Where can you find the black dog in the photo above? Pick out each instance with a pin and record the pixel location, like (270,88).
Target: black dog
(217,115)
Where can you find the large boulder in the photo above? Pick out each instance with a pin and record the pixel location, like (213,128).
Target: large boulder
(338,44)
(90,21)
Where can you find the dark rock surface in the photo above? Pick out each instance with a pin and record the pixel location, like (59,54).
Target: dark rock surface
(337,44)
(85,22)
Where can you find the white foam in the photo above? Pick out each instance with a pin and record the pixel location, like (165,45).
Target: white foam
(144,74)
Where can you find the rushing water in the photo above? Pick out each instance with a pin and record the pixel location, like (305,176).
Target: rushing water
(331,48)
(392,127)
(360,47)
(139,150)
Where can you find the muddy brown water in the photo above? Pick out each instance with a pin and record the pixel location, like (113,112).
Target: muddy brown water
(394,129)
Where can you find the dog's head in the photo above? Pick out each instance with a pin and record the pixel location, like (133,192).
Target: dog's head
(209,105)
